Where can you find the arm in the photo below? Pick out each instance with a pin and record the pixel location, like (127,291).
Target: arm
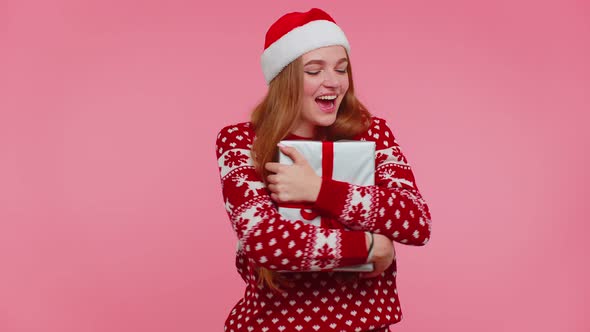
(393,206)
(270,240)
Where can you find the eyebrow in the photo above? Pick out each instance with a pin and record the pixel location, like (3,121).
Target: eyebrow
(322,61)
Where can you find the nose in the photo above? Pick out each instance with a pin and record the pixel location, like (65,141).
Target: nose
(331,79)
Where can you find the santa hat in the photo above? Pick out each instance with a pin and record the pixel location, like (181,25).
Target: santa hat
(295,34)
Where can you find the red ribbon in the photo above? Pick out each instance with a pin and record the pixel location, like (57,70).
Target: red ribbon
(327,171)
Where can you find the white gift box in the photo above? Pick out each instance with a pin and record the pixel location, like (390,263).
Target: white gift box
(345,160)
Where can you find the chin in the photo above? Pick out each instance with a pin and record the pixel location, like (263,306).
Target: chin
(327,121)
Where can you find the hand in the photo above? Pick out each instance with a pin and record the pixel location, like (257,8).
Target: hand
(383,255)
(297,182)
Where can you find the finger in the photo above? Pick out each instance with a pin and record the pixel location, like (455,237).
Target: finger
(272,188)
(273,167)
(272,178)
(369,275)
(293,153)
(275,197)
(377,270)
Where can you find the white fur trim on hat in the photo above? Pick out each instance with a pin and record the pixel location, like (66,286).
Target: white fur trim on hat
(299,41)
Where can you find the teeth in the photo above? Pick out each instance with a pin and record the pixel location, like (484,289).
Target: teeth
(327,97)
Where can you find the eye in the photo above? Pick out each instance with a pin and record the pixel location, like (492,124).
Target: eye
(312,72)
(341,71)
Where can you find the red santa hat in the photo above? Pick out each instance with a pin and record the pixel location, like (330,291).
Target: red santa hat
(295,34)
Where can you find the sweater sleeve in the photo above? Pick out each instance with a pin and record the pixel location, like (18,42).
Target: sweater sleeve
(266,237)
(393,206)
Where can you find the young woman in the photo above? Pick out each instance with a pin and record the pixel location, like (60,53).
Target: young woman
(311,97)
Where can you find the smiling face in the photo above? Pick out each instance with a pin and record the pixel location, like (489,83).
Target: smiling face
(325,82)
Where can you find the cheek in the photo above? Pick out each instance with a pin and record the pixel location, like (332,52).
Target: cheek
(344,84)
(309,88)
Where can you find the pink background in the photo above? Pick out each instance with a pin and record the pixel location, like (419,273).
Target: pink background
(111,216)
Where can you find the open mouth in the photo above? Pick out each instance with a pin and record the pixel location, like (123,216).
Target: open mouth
(326,103)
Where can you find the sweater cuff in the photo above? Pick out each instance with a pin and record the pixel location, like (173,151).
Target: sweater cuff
(354,248)
(331,198)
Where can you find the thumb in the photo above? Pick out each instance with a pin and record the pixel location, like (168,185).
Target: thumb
(292,153)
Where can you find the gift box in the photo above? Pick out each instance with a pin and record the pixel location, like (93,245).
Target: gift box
(345,160)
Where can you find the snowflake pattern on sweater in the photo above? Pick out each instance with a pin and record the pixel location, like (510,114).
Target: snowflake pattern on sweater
(317,298)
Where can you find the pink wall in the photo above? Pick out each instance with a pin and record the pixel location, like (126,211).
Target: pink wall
(111,217)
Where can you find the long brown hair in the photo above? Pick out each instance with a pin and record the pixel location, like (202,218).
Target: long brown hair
(276,116)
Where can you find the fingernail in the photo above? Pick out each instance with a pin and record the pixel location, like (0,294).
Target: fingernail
(281,145)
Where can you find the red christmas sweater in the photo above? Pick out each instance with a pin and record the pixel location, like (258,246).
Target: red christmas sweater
(317,298)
